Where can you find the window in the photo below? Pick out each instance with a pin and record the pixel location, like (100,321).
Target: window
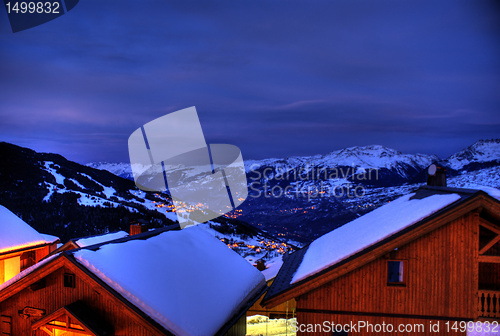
(27,260)
(396,272)
(12,267)
(69,280)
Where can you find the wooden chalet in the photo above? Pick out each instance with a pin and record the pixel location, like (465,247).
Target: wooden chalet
(433,255)
(161,282)
(21,246)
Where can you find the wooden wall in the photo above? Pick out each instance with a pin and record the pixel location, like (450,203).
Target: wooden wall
(239,328)
(55,296)
(442,281)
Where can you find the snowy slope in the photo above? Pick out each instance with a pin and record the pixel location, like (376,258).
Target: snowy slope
(481,151)
(70,200)
(121,169)
(486,176)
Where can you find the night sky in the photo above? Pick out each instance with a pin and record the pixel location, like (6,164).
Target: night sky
(276,78)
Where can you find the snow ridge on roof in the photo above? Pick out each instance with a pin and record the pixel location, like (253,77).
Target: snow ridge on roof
(16,233)
(84,242)
(367,230)
(187,281)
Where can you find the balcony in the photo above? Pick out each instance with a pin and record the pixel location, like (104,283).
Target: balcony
(488,304)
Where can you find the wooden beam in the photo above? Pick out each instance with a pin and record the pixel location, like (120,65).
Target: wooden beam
(489,245)
(489,226)
(489,259)
(47,331)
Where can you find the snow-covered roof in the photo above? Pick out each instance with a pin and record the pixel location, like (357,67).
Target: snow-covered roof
(367,230)
(84,242)
(49,238)
(273,267)
(187,280)
(351,239)
(16,234)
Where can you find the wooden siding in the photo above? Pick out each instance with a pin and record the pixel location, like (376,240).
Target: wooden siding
(55,296)
(239,328)
(442,281)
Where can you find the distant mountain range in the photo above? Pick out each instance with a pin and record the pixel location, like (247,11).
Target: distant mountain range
(69,200)
(303,197)
(288,199)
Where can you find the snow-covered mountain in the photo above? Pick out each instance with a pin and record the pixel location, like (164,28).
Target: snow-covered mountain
(69,200)
(291,197)
(121,169)
(481,152)
(374,156)
(365,157)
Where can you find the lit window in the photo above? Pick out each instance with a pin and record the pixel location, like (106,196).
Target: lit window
(395,272)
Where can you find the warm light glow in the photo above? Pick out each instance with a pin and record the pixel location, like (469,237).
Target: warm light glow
(12,267)
(22,246)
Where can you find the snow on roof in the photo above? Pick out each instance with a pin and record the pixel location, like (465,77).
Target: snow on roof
(493,192)
(367,230)
(49,238)
(84,242)
(187,280)
(16,234)
(273,267)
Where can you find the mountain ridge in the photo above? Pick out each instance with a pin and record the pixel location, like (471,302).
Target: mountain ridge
(481,151)
(307,210)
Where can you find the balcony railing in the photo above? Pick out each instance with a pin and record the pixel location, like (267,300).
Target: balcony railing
(488,304)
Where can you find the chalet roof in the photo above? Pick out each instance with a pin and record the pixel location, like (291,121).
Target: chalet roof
(185,281)
(16,234)
(374,228)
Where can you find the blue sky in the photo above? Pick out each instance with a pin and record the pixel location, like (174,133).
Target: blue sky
(276,78)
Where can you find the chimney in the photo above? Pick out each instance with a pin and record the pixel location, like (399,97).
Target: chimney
(436,176)
(261,265)
(136,228)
